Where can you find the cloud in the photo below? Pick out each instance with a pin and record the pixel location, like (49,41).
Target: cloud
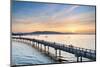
(65,11)
(54,18)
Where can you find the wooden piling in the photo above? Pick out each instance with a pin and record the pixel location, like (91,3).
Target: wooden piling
(48,49)
(44,48)
(59,53)
(56,53)
(81,59)
(77,59)
(41,47)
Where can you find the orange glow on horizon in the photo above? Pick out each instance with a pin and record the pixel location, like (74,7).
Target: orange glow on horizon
(51,17)
(72,28)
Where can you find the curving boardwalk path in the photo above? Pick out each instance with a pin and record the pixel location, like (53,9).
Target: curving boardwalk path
(77,51)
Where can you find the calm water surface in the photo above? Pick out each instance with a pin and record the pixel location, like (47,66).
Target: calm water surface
(26,54)
(84,41)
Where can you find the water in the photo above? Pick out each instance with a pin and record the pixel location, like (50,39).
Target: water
(25,54)
(84,41)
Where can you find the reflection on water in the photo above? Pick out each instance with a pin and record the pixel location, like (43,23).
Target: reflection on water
(84,41)
(23,54)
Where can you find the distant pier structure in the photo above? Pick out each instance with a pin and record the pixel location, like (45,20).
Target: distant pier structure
(77,51)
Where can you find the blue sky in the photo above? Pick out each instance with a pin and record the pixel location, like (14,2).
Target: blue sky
(51,17)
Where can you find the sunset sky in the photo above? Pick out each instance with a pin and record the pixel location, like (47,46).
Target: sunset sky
(32,16)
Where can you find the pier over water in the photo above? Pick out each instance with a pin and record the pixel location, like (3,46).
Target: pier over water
(77,51)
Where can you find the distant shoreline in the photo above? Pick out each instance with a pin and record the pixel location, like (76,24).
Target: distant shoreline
(51,33)
(55,34)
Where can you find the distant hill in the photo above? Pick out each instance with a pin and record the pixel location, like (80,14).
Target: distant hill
(46,32)
(37,32)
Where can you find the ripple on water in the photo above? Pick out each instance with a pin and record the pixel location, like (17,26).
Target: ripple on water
(23,54)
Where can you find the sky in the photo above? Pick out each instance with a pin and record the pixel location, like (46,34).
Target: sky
(37,16)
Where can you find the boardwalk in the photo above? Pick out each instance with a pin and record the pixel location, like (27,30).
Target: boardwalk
(78,52)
